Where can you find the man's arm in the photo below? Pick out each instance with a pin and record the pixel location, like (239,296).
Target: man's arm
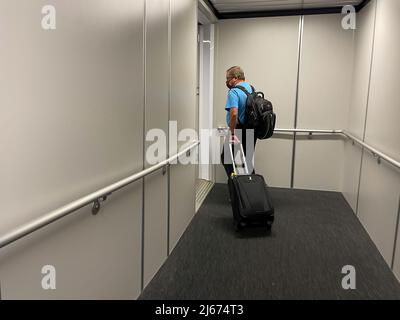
(233,119)
(232,104)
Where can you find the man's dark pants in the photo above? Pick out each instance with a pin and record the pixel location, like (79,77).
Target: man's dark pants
(243,137)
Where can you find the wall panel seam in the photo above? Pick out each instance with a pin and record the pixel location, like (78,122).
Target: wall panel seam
(169,118)
(366,109)
(396,236)
(300,47)
(370,74)
(144,135)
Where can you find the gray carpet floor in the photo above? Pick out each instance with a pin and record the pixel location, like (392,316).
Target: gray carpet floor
(314,236)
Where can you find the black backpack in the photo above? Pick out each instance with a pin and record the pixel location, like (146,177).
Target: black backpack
(259,114)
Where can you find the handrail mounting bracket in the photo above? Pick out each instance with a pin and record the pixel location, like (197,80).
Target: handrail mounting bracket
(97,204)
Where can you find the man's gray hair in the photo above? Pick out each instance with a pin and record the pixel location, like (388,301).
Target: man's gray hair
(236,72)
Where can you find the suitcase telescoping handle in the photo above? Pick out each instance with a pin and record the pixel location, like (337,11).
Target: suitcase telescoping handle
(242,157)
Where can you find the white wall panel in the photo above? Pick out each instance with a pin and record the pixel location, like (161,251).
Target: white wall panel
(156,117)
(324,97)
(95,257)
(351,177)
(380,187)
(272,68)
(182,207)
(363,42)
(319,163)
(183,110)
(270,153)
(378,204)
(396,262)
(183,64)
(71,121)
(383,130)
(155,224)
(374,111)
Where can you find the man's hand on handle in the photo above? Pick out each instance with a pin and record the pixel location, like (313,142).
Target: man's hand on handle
(233,139)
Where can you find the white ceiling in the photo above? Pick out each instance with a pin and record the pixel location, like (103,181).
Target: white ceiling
(226,6)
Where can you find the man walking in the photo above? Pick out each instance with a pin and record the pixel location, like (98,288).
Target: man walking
(235,118)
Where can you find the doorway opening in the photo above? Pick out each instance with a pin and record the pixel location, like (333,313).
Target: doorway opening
(205,93)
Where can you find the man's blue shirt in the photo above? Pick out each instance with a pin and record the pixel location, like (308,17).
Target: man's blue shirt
(237,99)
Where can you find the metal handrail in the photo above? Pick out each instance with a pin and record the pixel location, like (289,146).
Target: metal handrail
(375,152)
(380,155)
(94,197)
(308,131)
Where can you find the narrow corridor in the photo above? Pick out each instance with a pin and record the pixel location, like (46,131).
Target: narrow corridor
(315,235)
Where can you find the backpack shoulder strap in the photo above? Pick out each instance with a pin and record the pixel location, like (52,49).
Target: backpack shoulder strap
(243,89)
(252,88)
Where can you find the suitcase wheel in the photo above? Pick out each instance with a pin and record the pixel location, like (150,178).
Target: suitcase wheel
(239,226)
(269,226)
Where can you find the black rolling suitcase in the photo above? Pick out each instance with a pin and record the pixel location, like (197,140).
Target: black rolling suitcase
(251,204)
